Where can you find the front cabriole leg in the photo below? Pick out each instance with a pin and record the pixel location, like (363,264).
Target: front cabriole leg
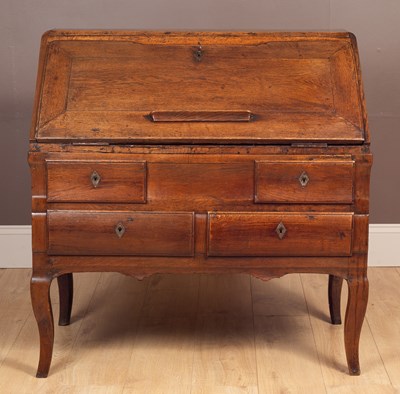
(41,303)
(355,313)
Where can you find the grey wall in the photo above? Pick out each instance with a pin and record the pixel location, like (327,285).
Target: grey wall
(375,23)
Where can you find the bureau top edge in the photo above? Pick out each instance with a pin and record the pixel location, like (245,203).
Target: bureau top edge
(117,33)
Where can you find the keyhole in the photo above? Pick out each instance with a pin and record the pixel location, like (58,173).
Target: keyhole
(120,230)
(198,53)
(303,179)
(95,178)
(281,230)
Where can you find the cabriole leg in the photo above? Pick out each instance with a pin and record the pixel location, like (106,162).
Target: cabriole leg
(355,313)
(41,303)
(334,293)
(66,292)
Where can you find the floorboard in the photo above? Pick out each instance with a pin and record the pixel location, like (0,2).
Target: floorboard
(329,341)
(200,334)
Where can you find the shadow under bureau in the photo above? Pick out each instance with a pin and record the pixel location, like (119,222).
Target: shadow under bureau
(195,152)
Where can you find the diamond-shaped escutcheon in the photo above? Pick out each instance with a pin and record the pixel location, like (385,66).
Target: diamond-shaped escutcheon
(119,230)
(95,178)
(303,179)
(281,230)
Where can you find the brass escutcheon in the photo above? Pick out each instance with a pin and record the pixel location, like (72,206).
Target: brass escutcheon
(303,179)
(281,230)
(198,53)
(120,230)
(95,178)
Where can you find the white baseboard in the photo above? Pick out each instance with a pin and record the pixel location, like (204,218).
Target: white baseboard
(384,246)
(15,246)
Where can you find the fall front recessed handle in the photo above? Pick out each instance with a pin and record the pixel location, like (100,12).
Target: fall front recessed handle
(201,116)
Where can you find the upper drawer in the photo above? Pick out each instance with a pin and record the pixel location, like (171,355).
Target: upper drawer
(96,181)
(147,87)
(304,181)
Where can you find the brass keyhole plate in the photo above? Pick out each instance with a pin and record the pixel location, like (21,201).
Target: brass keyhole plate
(303,179)
(281,230)
(95,178)
(120,230)
(198,53)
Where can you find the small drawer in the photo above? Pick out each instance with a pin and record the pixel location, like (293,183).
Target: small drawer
(120,233)
(279,234)
(304,182)
(96,181)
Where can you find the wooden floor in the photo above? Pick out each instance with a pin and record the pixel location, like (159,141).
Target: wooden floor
(200,334)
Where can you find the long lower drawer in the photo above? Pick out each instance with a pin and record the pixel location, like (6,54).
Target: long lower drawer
(279,234)
(121,233)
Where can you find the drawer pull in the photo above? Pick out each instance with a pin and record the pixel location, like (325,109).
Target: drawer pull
(120,230)
(281,230)
(303,179)
(95,178)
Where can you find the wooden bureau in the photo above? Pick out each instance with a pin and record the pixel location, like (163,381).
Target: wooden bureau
(194,152)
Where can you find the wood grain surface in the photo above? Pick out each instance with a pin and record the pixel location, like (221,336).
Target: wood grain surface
(256,234)
(326,181)
(188,153)
(144,233)
(117,181)
(267,75)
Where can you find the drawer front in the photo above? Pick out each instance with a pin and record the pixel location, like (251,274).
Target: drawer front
(279,234)
(120,233)
(96,181)
(304,182)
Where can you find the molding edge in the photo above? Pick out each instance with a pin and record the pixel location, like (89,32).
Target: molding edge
(16,241)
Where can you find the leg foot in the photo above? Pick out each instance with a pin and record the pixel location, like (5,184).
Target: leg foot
(334,293)
(66,292)
(355,313)
(40,293)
